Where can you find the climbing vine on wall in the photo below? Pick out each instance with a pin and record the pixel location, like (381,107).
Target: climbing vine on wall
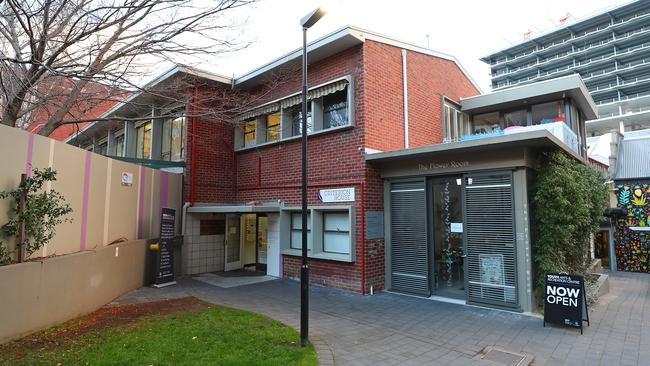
(569,199)
(632,241)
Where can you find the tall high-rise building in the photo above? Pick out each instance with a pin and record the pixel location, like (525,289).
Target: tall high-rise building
(609,49)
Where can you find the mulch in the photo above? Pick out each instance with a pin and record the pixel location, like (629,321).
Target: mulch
(106,317)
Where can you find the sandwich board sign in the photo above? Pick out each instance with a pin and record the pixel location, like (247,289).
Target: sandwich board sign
(565,301)
(164,266)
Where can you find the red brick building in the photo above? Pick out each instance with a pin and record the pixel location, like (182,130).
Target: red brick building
(417,184)
(368,93)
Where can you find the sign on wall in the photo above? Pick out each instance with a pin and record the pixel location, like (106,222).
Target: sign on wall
(127,179)
(165,253)
(565,302)
(336,195)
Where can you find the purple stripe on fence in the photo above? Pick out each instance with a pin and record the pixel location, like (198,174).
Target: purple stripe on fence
(141,203)
(30,154)
(84,205)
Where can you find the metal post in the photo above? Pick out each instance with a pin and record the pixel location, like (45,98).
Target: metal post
(20,245)
(304,269)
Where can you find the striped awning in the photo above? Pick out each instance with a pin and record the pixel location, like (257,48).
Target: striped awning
(266,109)
(315,93)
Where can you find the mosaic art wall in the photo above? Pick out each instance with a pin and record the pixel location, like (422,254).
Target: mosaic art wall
(632,234)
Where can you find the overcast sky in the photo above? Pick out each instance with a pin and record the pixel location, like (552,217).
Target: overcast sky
(463,28)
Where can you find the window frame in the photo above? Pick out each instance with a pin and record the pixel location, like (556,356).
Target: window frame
(317,233)
(277,127)
(325,230)
(289,130)
(171,121)
(293,230)
(139,150)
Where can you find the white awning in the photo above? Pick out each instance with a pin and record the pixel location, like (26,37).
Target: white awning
(315,93)
(266,109)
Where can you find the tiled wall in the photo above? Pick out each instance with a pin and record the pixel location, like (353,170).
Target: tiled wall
(202,253)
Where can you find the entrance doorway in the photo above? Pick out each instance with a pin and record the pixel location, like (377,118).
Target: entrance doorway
(247,242)
(602,249)
(447,234)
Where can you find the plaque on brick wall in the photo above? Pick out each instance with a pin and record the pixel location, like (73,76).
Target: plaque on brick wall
(374,224)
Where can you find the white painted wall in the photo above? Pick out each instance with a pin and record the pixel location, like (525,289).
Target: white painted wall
(273,259)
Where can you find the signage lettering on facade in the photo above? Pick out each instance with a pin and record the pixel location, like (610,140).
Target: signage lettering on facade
(444,165)
(336,195)
(565,302)
(127,179)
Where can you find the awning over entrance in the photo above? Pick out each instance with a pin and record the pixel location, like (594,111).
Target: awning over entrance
(206,208)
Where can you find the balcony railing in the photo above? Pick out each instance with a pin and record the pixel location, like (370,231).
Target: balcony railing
(575,37)
(559,129)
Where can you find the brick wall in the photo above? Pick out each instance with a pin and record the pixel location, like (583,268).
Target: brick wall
(428,79)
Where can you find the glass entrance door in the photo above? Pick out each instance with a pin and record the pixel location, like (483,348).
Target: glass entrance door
(233,243)
(448,252)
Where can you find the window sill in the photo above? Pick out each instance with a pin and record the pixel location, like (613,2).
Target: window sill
(322,255)
(297,137)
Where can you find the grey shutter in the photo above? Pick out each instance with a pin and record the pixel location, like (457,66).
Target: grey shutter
(409,255)
(490,239)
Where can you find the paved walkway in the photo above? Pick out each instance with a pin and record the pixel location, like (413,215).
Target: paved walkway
(390,329)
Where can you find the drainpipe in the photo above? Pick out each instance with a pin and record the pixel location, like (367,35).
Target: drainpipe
(406,101)
(184,221)
(363,239)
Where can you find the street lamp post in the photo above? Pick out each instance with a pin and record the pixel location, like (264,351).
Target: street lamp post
(306,22)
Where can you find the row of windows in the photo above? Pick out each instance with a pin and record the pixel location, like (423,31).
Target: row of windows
(172,141)
(457,124)
(333,112)
(335,232)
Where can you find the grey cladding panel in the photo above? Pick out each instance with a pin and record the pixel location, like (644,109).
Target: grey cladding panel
(490,239)
(409,257)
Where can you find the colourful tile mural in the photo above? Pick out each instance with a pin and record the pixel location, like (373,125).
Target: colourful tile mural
(632,234)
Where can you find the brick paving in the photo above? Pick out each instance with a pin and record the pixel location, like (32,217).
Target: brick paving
(390,329)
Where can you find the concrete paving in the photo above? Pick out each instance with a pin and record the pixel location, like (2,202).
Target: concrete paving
(391,329)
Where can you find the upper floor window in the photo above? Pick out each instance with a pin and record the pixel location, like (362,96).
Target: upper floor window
(548,112)
(328,107)
(143,141)
(173,144)
(486,123)
(119,145)
(273,127)
(454,123)
(249,133)
(102,148)
(335,109)
(296,119)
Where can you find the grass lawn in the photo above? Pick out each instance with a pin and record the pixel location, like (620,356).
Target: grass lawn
(199,335)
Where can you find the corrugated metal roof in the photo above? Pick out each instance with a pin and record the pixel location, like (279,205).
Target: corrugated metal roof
(633,159)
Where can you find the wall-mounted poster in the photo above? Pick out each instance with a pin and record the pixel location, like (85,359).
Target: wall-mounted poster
(492,269)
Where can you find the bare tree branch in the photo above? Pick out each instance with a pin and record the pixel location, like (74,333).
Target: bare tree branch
(96,42)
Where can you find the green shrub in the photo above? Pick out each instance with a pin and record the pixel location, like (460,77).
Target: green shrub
(45,209)
(568,202)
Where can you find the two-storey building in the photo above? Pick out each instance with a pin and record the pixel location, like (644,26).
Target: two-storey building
(404,158)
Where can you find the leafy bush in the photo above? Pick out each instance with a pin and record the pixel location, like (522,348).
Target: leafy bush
(45,209)
(568,202)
